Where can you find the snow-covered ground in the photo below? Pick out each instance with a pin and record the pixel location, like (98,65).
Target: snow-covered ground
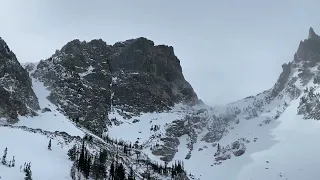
(295,156)
(33,147)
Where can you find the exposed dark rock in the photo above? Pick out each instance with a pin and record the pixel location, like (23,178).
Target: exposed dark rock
(237,121)
(235,145)
(188,156)
(168,150)
(283,79)
(46,109)
(313,35)
(16,93)
(222,158)
(239,152)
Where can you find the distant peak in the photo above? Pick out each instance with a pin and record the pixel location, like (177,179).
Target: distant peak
(3,46)
(313,35)
(2,41)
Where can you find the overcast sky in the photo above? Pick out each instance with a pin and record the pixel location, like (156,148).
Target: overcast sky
(228,49)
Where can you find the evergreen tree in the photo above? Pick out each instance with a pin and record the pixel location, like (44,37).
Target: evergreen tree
(179,167)
(99,165)
(73,171)
(13,162)
(72,153)
(102,163)
(90,138)
(117,157)
(95,167)
(120,172)
(173,172)
(27,170)
(81,158)
(131,175)
(49,145)
(165,168)
(124,149)
(148,175)
(112,173)
(87,167)
(4,161)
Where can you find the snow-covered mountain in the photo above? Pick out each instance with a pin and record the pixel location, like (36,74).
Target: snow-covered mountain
(131,100)
(54,116)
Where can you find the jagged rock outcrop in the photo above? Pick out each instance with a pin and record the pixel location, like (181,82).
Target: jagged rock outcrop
(313,35)
(16,93)
(308,56)
(90,79)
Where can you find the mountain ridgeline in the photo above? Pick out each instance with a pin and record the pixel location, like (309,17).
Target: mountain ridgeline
(135,91)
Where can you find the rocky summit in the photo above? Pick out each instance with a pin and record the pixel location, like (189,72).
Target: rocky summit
(89,79)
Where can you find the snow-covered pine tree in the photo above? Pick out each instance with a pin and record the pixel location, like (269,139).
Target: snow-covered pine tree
(73,171)
(131,175)
(95,167)
(120,172)
(125,150)
(4,161)
(49,145)
(27,170)
(111,173)
(88,164)
(13,162)
(72,153)
(99,165)
(81,160)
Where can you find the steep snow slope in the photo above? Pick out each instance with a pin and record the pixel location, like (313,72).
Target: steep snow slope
(294,156)
(50,120)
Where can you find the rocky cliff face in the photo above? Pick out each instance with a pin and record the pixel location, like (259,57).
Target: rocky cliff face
(88,80)
(16,94)
(307,60)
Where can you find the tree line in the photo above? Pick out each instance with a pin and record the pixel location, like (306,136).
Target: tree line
(87,165)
